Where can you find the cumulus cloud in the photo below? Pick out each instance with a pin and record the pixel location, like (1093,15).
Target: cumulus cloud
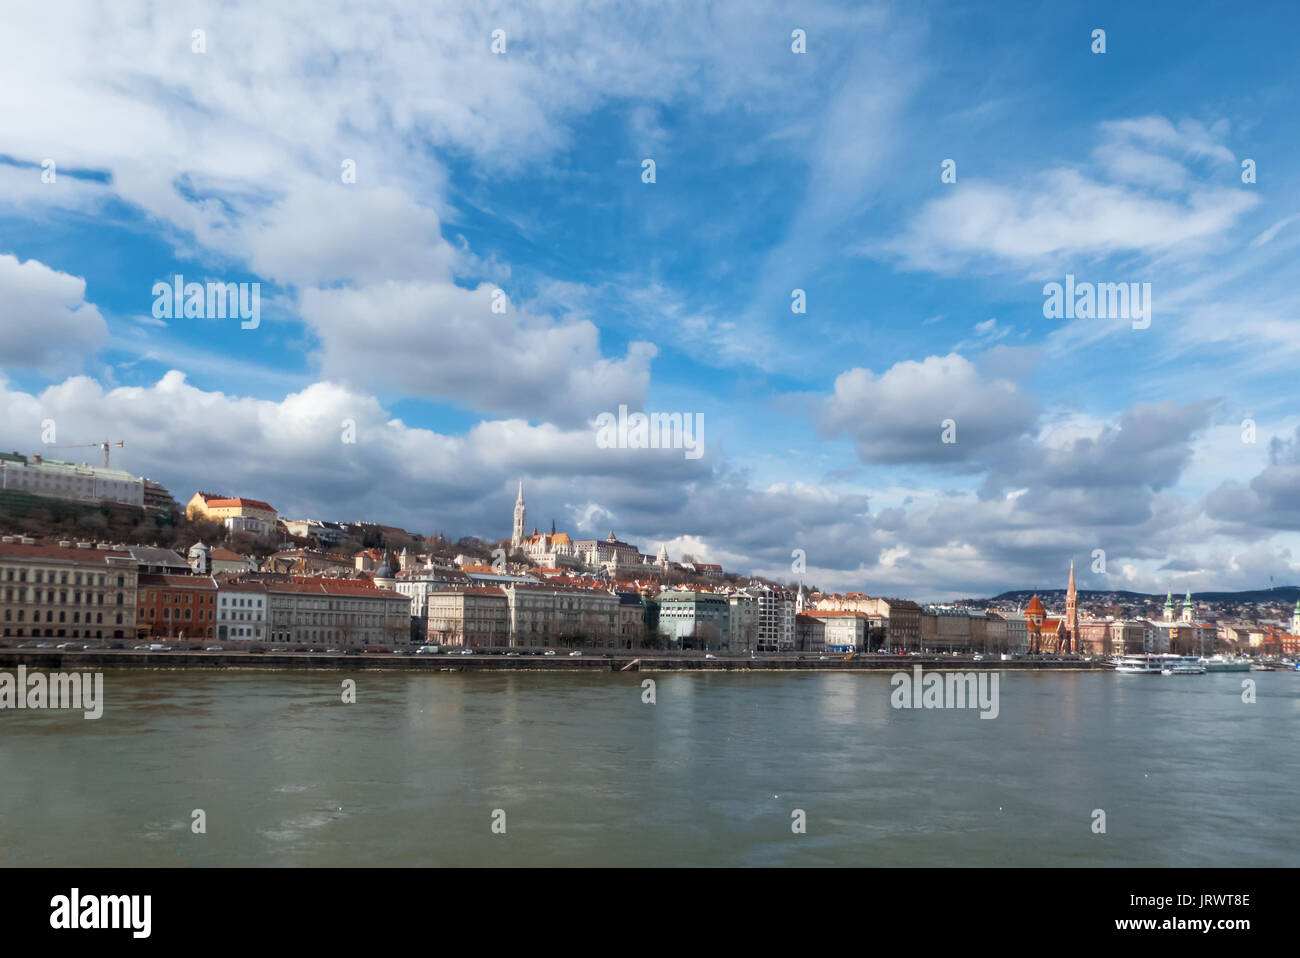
(898,416)
(1271,500)
(45,322)
(438,339)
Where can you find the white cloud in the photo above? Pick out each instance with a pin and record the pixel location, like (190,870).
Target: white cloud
(45,321)
(897,416)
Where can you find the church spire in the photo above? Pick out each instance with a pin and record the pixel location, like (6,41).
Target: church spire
(1072,614)
(517,532)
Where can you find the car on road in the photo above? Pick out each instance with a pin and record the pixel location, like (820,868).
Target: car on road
(549,652)
(335,651)
(353,652)
(710,655)
(427,650)
(573,653)
(214,648)
(45,645)
(512,653)
(256,650)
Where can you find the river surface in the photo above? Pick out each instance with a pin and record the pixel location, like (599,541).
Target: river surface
(579,770)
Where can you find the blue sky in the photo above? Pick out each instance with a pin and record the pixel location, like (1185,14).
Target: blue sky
(774,171)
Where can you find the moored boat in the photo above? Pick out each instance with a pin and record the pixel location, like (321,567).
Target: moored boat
(1163,664)
(1223,663)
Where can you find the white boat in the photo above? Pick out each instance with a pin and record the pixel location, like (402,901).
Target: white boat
(1223,663)
(1159,665)
(1138,664)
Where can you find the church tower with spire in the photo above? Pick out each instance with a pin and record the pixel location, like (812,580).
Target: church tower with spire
(1187,606)
(1072,613)
(517,535)
(1295,619)
(1169,606)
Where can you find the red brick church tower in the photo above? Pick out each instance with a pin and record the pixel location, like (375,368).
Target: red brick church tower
(1072,615)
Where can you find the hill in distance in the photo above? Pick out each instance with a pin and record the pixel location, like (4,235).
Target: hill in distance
(1283,593)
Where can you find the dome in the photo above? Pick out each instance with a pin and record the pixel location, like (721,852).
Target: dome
(385,570)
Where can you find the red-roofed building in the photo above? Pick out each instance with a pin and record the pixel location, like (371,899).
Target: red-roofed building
(236,513)
(66,590)
(316,611)
(177,607)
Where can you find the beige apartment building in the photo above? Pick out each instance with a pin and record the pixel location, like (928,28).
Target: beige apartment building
(66,590)
(471,616)
(336,613)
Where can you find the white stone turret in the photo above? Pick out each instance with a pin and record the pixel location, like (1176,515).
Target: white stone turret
(517,535)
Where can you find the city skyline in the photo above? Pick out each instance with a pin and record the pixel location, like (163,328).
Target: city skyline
(458,277)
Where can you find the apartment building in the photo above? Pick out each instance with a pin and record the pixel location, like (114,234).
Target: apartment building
(695,620)
(176,607)
(810,633)
(743,614)
(243,610)
(845,631)
(66,590)
(470,616)
(336,612)
(571,616)
(775,619)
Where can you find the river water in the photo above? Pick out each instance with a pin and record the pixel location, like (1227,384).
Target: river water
(579,770)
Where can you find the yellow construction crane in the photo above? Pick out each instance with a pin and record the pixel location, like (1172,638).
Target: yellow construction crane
(103,447)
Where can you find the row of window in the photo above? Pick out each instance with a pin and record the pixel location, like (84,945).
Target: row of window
(63,616)
(96,598)
(49,575)
(62,633)
(151,613)
(167,597)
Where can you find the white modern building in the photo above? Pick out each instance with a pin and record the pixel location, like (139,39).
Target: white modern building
(242,611)
(56,479)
